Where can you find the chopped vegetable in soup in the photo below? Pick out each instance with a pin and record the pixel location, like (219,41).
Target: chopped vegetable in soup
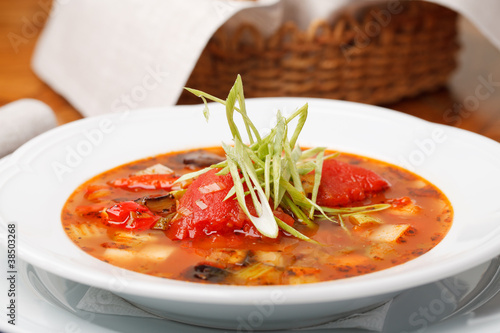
(265,213)
(195,235)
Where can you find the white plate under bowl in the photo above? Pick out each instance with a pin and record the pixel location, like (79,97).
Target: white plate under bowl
(38,178)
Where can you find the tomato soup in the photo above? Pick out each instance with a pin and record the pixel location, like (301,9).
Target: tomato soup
(136,217)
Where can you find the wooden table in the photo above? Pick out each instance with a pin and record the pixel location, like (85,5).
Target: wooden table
(463,103)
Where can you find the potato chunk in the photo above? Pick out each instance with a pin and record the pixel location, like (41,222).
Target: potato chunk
(226,257)
(155,252)
(157,169)
(405,208)
(269,258)
(387,232)
(114,254)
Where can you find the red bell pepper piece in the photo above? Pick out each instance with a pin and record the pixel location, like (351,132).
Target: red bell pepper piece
(130,215)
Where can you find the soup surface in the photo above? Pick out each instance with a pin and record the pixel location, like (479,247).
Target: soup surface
(135,217)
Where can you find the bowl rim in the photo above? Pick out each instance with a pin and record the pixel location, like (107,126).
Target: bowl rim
(344,289)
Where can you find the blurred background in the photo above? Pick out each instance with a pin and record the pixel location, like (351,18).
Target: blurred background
(452,88)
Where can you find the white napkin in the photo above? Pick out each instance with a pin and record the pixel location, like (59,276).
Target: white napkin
(21,121)
(104,302)
(112,55)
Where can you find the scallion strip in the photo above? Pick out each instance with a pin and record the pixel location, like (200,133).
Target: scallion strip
(299,213)
(267,176)
(345,211)
(317,179)
(342,224)
(292,231)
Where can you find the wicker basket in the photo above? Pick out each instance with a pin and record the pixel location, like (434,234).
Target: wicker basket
(348,60)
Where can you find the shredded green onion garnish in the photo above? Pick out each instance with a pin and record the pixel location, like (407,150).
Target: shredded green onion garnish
(270,167)
(342,224)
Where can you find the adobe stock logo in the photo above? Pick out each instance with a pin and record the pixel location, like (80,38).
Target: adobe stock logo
(424,148)
(371,29)
(452,290)
(263,309)
(75,154)
(485,88)
(154,77)
(31,26)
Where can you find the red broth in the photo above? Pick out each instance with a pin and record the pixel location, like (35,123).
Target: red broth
(420,212)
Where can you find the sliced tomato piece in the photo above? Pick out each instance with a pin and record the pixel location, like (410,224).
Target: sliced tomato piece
(202,210)
(284,216)
(146,182)
(343,183)
(130,215)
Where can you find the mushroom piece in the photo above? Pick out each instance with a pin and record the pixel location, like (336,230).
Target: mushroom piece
(210,273)
(201,159)
(164,204)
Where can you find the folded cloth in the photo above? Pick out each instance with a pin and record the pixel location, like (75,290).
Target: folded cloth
(113,55)
(117,55)
(21,121)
